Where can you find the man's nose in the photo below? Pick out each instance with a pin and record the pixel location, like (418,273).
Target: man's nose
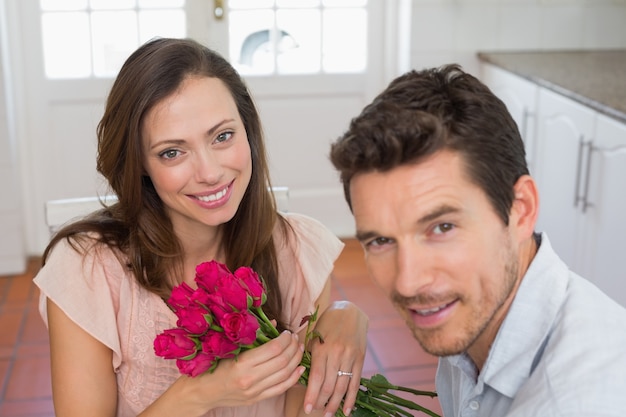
(415,269)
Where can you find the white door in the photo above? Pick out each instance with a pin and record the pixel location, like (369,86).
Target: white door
(302,109)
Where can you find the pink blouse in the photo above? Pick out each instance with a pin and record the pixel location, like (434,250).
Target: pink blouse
(98,293)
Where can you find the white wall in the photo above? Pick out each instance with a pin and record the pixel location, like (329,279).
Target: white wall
(12,249)
(446,31)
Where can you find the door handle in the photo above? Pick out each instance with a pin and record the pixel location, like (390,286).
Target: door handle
(581,147)
(586,203)
(218,9)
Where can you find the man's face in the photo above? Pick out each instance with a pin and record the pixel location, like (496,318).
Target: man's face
(436,246)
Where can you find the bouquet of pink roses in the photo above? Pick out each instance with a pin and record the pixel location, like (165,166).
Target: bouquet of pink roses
(223,317)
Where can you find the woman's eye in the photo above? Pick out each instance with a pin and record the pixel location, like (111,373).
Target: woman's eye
(169,154)
(443,228)
(223,137)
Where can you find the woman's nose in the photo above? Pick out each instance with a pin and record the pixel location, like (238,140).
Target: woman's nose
(208,168)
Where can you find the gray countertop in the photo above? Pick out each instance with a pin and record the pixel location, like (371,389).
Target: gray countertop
(595,78)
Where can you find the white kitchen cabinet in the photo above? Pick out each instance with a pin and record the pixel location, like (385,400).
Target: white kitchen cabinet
(565,129)
(580,168)
(603,208)
(520,97)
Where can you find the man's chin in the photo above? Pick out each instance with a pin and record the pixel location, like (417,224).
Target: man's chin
(434,344)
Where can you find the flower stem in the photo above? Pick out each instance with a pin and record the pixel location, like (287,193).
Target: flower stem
(266,323)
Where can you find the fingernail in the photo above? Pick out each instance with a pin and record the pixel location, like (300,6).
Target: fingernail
(347,411)
(328,415)
(308,408)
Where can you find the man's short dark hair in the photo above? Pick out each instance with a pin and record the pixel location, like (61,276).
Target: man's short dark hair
(423,112)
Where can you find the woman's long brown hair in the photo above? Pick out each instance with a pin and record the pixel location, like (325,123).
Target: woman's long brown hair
(137,225)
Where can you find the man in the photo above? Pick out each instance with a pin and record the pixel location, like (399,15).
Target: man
(435,174)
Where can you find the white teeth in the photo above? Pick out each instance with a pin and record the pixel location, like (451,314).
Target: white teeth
(429,311)
(212,197)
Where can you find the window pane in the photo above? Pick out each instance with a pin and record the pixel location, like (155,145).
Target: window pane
(299,44)
(161,4)
(250,34)
(111,48)
(250,4)
(297,3)
(62,5)
(344,3)
(345,50)
(66,44)
(112,4)
(162,23)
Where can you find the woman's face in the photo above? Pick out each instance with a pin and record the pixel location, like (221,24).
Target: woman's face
(197,154)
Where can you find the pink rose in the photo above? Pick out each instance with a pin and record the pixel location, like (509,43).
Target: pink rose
(194,319)
(252,283)
(233,293)
(218,345)
(240,327)
(201,297)
(209,273)
(174,344)
(180,297)
(197,365)
(218,306)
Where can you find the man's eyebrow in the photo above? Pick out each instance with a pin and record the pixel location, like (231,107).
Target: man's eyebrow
(437,212)
(362,236)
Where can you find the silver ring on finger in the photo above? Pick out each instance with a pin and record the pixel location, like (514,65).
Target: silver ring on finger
(342,373)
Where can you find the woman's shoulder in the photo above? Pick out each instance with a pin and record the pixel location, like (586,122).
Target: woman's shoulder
(83,248)
(305,226)
(82,261)
(309,241)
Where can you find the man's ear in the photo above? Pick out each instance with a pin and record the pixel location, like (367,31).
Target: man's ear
(525,207)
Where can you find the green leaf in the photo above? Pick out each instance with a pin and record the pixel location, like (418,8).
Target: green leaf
(362,412)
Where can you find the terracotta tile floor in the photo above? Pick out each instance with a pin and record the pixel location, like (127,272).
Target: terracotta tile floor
(24,358)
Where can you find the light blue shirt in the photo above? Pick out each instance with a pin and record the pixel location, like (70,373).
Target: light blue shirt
(561,351)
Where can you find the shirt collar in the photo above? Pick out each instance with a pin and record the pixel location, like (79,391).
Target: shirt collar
(522,336)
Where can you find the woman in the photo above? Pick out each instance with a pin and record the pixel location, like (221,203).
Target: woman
(181,145)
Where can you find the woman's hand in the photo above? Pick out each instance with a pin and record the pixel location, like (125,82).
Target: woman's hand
(257,374)
(260,373)
(343,327)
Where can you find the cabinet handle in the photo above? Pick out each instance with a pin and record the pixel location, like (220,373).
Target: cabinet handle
(525,116)
(586,203)
(581,146)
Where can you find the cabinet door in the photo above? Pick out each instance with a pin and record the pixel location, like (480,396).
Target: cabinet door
(520,97)
(564,132)
(604,206)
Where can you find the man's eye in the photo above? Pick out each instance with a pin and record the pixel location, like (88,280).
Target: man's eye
(443,228)
(379,241)
(169,154)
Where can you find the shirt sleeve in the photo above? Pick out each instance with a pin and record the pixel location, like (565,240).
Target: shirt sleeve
(86,288)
